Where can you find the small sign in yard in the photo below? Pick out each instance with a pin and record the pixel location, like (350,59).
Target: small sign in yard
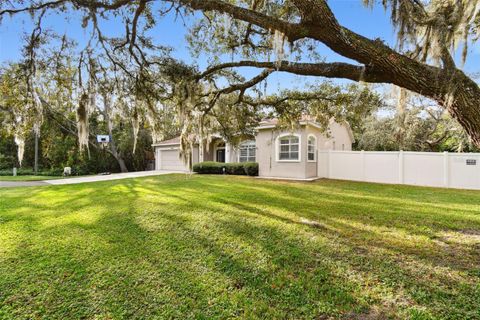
(67,171)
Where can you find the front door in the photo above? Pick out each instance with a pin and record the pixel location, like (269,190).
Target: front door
(220,155)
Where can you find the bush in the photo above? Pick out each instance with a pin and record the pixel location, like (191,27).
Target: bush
(6,162)
(251,168)
(30,172)
(51,172)
(236,168)
(207,167)
(20,172)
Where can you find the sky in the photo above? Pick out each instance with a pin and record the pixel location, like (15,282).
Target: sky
(372,23)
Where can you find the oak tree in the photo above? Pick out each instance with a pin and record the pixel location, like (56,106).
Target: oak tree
(428,33)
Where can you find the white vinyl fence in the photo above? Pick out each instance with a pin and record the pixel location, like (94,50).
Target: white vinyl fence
(435,169)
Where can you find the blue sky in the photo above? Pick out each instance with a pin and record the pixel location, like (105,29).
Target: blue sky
(372,23)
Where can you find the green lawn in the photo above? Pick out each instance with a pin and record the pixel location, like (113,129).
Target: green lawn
(218,247)
(28,178)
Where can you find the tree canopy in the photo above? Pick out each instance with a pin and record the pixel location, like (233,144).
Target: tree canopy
(272,36)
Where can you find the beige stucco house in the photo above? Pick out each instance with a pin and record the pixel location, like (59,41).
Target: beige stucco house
(279,154)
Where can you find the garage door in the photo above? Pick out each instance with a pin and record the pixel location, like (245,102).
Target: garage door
(169,160)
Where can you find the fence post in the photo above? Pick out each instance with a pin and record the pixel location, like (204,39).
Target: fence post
(446,170)
(328,164)
(362,153)
(400,168)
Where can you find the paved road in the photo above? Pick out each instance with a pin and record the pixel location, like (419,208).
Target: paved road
(114,176)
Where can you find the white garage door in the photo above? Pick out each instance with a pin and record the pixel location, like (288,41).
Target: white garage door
(170,160)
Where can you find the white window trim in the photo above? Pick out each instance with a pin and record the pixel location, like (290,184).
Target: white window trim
(314,148)
(277,147)
(240,146)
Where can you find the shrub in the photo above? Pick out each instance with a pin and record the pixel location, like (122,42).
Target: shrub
(6,162)
(208,167)
(5,172)
(251,168)
(30,172)
(236,168)
(51,172)
(20,172)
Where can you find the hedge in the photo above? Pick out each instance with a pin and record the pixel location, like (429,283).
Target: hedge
(236,168)
(31,172)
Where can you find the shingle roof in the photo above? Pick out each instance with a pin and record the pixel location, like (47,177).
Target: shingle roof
(269,122)
(175,140)
(274,121)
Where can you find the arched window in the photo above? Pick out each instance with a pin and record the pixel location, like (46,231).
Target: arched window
(247,151)
(312,149)
(288,148)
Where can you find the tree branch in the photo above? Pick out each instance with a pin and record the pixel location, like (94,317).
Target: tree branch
(328,70)
(277,101)
(319,23)
(248,84)
(138,12)
(242,87)
(293,31)
(50,4)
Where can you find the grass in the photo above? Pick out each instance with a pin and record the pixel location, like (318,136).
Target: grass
(216,247)
(28,178)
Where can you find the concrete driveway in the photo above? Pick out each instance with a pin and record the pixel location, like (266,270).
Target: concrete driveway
(114,176)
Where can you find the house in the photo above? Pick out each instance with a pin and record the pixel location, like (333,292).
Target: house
(279,154)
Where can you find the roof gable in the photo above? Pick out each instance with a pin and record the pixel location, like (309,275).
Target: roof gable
(169,142)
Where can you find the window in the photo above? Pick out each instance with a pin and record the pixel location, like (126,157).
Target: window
(247,152)
(311,149)
(289,148)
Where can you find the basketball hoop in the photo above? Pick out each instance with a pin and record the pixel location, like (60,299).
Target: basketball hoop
(103,140)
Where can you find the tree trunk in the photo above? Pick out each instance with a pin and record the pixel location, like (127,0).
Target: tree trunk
(121,163)
(463,103)
(114,151)
(113,146)
(35,165)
